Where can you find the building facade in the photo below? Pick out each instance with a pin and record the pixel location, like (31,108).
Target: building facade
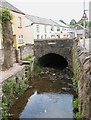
(80,31)
(42,28)
(63,31)
(39,28)
(18,29)
(18,24)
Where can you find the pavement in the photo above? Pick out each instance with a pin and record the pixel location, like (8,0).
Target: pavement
(13,70)
(5,75)
(87,44)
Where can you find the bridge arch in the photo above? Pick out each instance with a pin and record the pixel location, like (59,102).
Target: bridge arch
(62,47)
(53,60)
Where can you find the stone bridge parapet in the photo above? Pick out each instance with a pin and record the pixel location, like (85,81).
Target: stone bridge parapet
(61,47)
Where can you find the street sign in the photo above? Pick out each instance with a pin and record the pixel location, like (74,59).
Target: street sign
(84,17)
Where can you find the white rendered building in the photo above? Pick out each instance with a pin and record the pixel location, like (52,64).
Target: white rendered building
(42,28)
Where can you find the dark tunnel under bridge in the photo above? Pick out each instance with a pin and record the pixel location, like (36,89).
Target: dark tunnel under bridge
(53,60)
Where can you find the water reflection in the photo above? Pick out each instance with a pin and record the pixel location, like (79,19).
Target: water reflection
(48,105)
(50,96)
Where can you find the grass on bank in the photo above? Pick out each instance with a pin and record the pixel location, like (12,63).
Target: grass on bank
(29,58)
(36,66)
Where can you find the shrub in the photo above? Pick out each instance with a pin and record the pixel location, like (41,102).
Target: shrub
(6,15)
(21,88)
(75,83)
(8,87)
(36,66)
(29,59)
(3,111)
(76,103)
(78,116)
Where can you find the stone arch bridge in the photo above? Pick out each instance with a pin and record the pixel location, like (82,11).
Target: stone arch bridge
(62,47)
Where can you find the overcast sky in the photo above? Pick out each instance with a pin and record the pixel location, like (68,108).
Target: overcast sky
(53,9)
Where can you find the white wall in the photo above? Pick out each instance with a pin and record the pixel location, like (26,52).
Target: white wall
(42,32)
(32,33)
(74,32)
(29,32)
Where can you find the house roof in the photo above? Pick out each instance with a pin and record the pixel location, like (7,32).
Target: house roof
(79,26)
(40,20)
(61,24)
(5,4)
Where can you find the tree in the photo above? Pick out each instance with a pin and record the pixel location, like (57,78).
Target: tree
(82,23)
(72,22)
(89,24)
(7,35)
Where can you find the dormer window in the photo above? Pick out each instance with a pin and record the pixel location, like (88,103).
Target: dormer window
(19,22)
(58,28)
(52,28)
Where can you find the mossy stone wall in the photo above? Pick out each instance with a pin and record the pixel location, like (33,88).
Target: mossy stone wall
(82,72)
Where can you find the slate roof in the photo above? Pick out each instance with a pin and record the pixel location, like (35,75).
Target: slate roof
(79,26)
(40,20)
(61,24)
(5,4)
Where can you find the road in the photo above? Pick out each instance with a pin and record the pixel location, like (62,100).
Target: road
(87,44)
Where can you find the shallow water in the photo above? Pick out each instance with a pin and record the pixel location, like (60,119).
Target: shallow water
(50,96)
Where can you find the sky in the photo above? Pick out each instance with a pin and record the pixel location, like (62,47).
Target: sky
(53,9)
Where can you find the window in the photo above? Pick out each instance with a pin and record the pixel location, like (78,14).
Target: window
(41,36)
(37,28)
(64,29)
(20,38)
(58,28)
(45,29)
(45,36)
(19,22)
(37,36)
(52,28)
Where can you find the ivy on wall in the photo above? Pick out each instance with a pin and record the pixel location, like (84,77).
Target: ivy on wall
(6,15)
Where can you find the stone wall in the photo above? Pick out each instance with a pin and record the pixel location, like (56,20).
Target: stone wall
(82,71)
(26,51)
(62,47)
(19,77)
(18,55)
(1,57)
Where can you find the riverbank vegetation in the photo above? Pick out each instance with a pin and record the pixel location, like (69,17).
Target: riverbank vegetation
(11,91)
(29,59)
(36,66)
(76,100)
(77,76)
(13,88)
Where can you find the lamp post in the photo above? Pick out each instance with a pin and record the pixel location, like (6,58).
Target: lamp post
(84,18)
(84,28)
